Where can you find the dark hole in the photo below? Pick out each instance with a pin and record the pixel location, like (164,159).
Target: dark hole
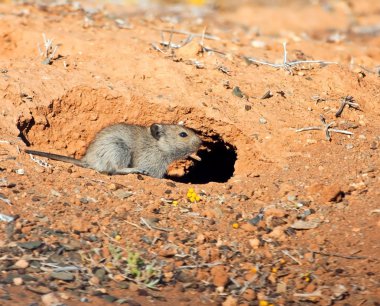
(217,164)
(24,127)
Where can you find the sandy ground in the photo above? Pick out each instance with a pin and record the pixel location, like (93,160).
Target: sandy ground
(283,217)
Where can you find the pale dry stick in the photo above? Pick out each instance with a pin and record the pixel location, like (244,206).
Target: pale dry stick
(206,36)
(235,282)
(339,255)
(144,221)
(142,284)
(207,49)
(152,226)
(204,265)
(326,127)
(56,268)
(169,45)
(288,65)
(49,51)
(316,293)
(4,199)
(366,30)
(347,100)
(6,218)
(136,225)
(285,252)
(4,258)
(247,284)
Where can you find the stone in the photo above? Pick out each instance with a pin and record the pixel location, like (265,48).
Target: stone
(109,298)
(21,263)
(18,281)
(249,294)
(219,275)
(230,301)
(281,287)
(100,274)
(254,243)
(50,299)
(30,245)
(305,225)
(65,276)
(248,227)
(278,234)
(94,281)
(122,194)
(275,212)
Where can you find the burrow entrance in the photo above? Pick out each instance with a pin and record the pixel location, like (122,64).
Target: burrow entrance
(217,163)
(68,125)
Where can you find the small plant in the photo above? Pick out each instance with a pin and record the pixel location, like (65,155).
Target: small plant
(134,267)
(142,273)
(49,51)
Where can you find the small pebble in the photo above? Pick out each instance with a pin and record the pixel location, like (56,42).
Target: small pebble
(30,245)
(20,171)
(65,276)
(22,264)
(50,299)
(18,281)
(262,120)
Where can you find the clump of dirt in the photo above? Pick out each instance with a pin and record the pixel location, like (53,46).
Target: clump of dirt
(282,178)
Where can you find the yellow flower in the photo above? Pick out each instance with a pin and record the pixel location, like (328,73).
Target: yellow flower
(117,237)
(109,265)
(175,203)
(235,225)
(192,196)
(263,303)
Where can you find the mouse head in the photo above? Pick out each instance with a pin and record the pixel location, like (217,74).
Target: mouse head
(176,140)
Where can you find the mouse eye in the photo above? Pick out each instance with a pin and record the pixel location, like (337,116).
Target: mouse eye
(183,134)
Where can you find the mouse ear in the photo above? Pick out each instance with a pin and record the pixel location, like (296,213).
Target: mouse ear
(156,130)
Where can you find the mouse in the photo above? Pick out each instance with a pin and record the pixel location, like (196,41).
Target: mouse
(124,148)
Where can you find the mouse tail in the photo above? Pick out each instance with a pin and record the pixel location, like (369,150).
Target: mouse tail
(62,158)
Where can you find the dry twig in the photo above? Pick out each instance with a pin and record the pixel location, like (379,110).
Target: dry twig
(326,127)
(288,65)
(5,200)
(286,252)
(339,255)
(204,265)
(49,51)
(169,45)
(347,100)
(6,218)
(151,226)
(205,36)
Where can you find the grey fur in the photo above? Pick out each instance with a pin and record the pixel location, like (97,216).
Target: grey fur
(124,148)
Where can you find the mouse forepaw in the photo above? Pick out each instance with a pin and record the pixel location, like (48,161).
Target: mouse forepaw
(130,171)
